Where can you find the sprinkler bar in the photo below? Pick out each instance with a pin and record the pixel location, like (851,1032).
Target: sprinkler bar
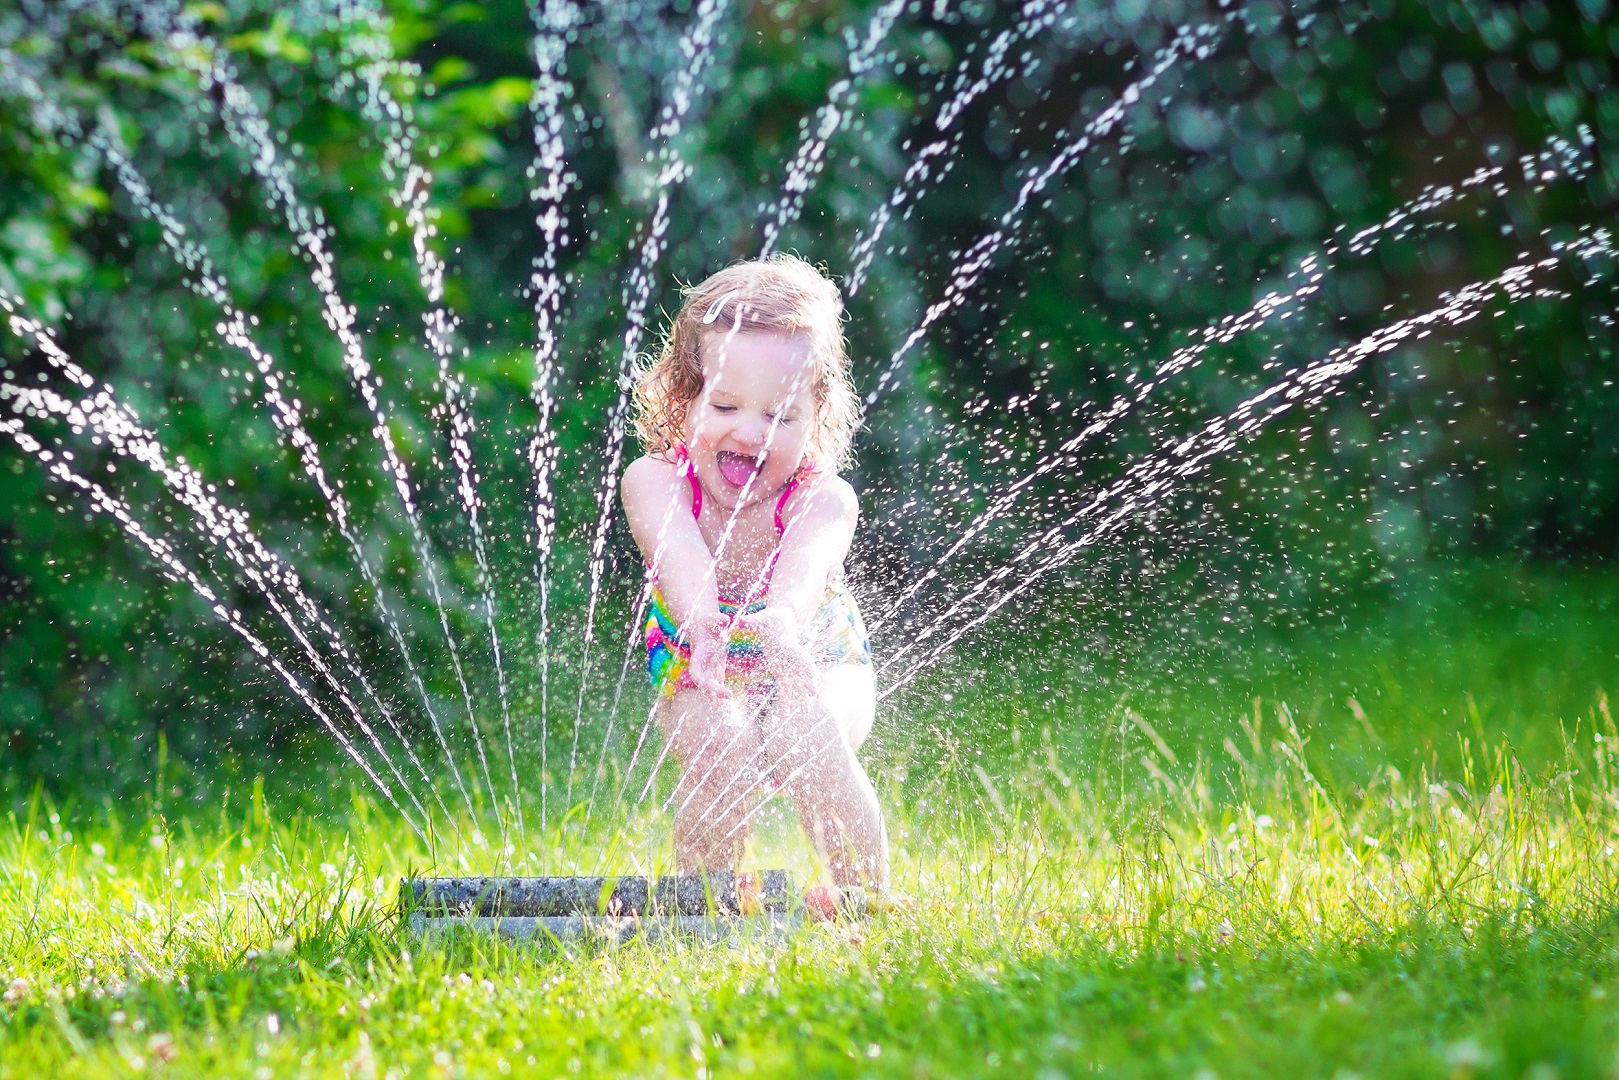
(713,906)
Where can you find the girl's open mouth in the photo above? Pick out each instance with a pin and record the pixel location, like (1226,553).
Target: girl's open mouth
(736,469)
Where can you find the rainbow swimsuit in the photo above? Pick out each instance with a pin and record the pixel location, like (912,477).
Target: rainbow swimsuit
(836,633)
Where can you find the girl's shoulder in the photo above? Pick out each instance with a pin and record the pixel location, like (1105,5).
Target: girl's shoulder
(650,473)
(824,493)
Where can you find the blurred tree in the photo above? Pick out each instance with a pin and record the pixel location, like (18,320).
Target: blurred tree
(1297,127)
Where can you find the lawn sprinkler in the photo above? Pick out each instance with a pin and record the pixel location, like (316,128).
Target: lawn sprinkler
(714,906)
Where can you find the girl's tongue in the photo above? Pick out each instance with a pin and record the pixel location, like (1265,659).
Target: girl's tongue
(737,469)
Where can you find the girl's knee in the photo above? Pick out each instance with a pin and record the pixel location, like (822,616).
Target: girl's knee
(817,762)
(696,726)
(849,693)
(804,734)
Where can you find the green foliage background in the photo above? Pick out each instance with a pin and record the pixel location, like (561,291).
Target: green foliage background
(1496,439)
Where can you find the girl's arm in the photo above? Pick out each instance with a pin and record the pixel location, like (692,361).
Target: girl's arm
(657,501)
(819,530)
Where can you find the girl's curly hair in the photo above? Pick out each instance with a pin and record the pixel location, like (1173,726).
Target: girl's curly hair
(781,294)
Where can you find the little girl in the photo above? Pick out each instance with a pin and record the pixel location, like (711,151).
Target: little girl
(756,649)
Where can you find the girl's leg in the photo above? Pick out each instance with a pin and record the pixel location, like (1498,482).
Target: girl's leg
(810,746)
(718,755)
(850,692)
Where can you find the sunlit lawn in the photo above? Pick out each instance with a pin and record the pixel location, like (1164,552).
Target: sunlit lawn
(1387,888)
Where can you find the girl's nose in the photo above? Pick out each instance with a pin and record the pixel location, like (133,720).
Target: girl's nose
(752,433)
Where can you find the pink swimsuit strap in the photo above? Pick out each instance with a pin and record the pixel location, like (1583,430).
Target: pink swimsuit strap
(683,459)
(787,493)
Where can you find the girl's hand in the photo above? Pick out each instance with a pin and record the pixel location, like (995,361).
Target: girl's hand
(710,639)
(785,655)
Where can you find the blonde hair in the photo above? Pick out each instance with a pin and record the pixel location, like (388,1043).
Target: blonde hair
(781,294)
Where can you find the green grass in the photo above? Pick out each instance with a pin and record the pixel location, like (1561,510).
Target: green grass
(1422,884)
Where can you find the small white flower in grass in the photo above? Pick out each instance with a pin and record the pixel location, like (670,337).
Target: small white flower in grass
(98,850)
(363,1065)
(14,992)
(272,1024)
(1225,931)
(1343,997)
(1466,1054)
(161,1046)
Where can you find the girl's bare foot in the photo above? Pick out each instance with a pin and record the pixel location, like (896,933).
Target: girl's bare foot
(749,893)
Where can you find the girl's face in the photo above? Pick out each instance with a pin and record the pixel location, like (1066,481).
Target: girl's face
(748,431)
